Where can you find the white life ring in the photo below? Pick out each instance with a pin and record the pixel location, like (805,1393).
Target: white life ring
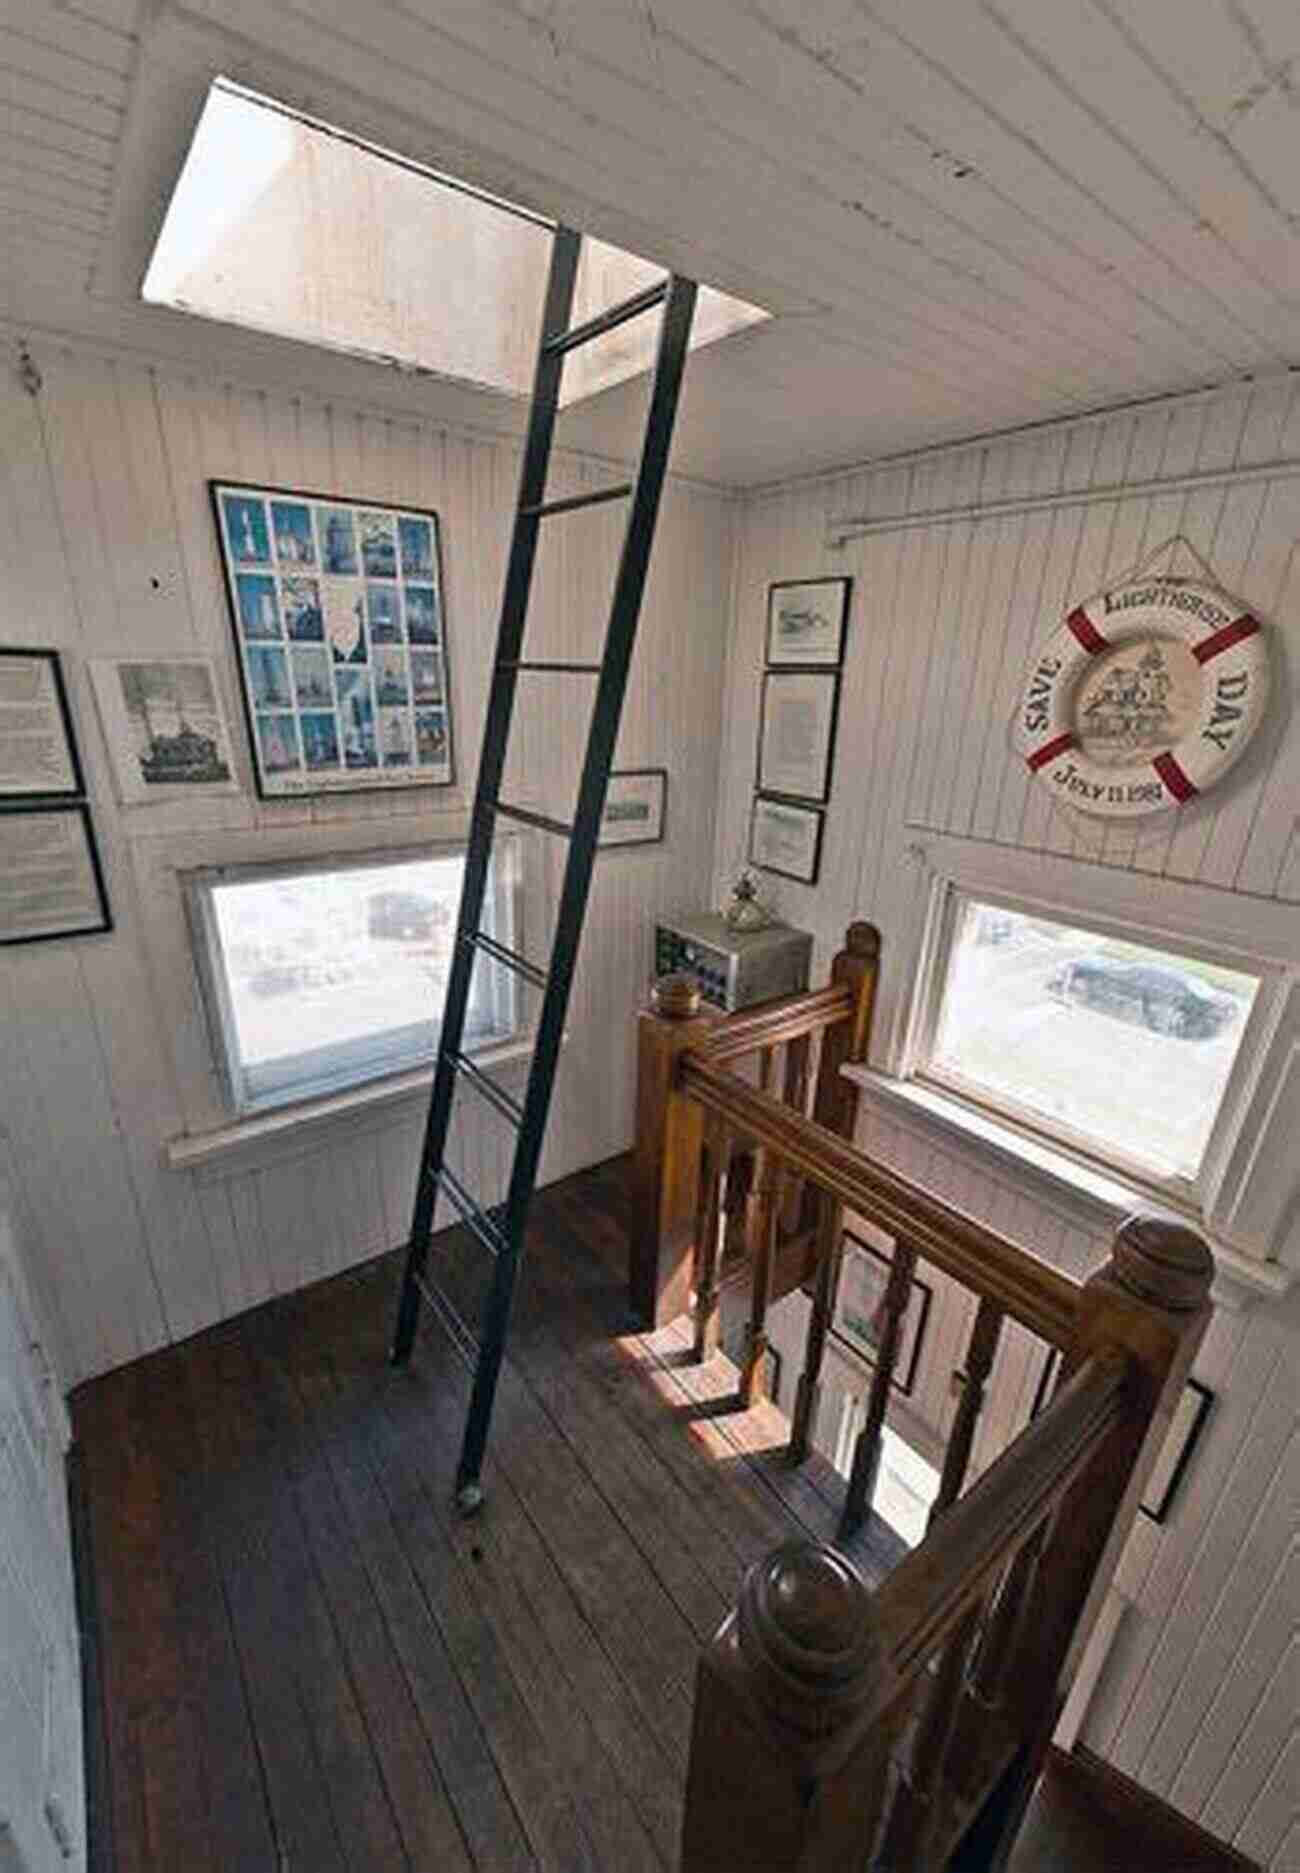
(1143,698)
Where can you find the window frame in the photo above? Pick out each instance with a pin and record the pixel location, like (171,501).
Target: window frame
(505,895)
(1196,1196)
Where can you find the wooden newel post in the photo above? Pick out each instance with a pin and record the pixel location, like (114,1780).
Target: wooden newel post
(787,1768)
(835,1105)
(1151,1301)
(669,1134)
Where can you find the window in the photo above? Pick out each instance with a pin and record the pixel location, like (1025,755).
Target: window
(1114,1047)
(321,975)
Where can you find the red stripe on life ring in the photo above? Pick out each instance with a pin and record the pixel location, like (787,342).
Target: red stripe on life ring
(1049,751)
(1225,638)
(1086,631)
(1178,782)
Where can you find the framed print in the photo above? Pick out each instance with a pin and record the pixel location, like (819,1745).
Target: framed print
(786,838)
(859,1298)
(634,807)
(165,726)
(336,607)
(1190,1413)
(51,884)
(797,732)
(38,755)
(806,620)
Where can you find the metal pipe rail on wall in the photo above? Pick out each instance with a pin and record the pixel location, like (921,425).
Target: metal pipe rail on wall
(859,526)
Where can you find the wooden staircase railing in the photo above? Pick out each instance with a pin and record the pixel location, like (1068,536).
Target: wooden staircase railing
(836,1727)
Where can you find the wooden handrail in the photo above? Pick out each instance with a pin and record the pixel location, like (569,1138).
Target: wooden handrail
(778,1021)
(920,1602)
(990,1264)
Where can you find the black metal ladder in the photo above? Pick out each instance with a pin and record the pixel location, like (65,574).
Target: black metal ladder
(500,1229)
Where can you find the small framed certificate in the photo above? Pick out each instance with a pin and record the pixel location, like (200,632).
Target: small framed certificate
(786,838)
(50,880)
(805,622)
(38,755)
(797,732)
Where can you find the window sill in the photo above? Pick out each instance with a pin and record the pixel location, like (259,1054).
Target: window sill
(290,1129)
(1091,1196)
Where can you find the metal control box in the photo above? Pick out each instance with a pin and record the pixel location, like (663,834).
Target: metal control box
(734,968)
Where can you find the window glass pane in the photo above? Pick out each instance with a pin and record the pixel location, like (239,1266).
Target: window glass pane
(332,977)
(1128,1048)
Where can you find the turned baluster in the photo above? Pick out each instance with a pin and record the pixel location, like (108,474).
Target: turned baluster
(794,1093)
(917,1810)
(807,1398)
(980,1354)
(709,1236)
(995,1661)
(870,1439)
(766,1068)
(760,1251)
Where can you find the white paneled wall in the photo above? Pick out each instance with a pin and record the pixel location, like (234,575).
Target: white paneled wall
(106,547)
(1198,1697)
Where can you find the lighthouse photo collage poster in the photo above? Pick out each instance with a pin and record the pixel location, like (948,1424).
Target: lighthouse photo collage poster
(336,608)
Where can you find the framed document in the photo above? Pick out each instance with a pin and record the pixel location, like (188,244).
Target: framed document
(805,622)
(786,838)
(1190,1413)
(797,732)
(336,607)
(634,807)
(38,755)
(859,1310)
(50,881)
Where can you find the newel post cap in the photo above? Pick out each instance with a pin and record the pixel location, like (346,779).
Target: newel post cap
(675,997)
(1163,1261)
(863,941)
(810,1637)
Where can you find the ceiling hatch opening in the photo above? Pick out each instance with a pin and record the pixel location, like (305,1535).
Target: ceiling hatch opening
(284,225)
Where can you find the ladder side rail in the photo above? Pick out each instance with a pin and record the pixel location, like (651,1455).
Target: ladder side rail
(607,710)
(514,606)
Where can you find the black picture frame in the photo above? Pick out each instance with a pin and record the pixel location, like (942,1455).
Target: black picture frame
(656,774)
(357,781)
(819,795)
(49,795)
(843,602)
(1188,1423)
(860,1347)
(81,812)
(801,807)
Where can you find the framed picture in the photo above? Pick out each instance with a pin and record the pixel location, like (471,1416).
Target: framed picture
(1190,1413)
(634,807)
(797,732)
(336,607)
(51,884)
(859,1310)
(38,754)
(806,620)
(165,726)
(786,838)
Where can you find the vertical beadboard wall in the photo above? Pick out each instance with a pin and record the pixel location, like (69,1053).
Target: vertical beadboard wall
(1198,1696)
(106,545)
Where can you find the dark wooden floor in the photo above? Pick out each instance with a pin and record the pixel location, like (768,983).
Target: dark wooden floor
(309,1663)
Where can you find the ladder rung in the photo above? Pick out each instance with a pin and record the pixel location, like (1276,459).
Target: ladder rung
(609,320)
(528,818)
(476,1219)
(571,501)
(463,1341)
(511,958)
(495,1095)
(572,669)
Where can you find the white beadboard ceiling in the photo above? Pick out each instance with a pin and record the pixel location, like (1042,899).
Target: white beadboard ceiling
(967,215)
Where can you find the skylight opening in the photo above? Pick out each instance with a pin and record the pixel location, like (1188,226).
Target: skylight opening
(285,225)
